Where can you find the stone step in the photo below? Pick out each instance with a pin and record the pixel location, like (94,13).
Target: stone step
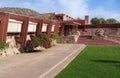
(90,41)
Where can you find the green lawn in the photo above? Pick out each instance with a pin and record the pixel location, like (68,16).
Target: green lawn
(94,62)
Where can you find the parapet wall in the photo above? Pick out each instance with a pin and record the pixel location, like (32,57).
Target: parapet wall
(110,32)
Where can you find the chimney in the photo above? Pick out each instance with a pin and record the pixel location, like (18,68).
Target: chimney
(87,19)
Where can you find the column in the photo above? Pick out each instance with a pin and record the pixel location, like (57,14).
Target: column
(39,28)
(4,19)
(24,31)
(49,27)
(56,30)
(62,30)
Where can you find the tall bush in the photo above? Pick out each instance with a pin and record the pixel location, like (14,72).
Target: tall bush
(55,36)
(44,40)
(28,47)
(35,41)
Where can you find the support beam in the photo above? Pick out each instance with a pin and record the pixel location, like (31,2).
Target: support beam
(24,31)
(39,28)
(4,19)
(57,24)
(49,27)
(62,30)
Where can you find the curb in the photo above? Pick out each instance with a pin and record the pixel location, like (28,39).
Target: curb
(70,56)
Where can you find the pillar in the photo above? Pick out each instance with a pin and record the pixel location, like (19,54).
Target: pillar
(62,30)
(4,19)
(39,28)
(56,30)
(24,31)
(49,27)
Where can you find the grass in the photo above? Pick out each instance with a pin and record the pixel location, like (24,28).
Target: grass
(94,62)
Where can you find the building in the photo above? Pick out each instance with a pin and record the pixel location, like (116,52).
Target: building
(21,23)
(19,27)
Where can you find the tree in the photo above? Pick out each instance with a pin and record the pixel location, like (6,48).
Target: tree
(55,36)
(111,21)
(102,21)
(95,20)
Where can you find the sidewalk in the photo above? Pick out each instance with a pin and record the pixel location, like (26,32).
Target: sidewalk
(44,64)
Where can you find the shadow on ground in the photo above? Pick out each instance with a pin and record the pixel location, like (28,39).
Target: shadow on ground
(115,63)
(34,51)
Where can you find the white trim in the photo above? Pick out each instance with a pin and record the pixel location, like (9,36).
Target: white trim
(32,23)
(15,21)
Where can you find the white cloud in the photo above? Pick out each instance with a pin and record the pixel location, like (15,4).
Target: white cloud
(100,12)
(74,8)
(79,8)
(43,6)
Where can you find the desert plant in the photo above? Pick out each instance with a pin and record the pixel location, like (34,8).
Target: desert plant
(3,45)
(55,36)
(44,40)
(28,47)
(35,41)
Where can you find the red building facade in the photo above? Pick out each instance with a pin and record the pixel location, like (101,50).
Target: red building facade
(60,26)
(4,20)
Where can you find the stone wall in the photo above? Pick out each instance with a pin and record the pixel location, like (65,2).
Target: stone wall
(110,32)
(12,47)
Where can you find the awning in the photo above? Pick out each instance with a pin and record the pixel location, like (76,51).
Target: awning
(76,23)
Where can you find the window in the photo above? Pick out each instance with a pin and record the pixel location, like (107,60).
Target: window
(32,27)
(44,28)
(53,28)
(14,26)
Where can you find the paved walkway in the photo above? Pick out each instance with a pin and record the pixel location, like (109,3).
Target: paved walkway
(44,64)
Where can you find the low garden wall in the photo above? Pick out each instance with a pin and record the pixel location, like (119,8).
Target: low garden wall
(110,32)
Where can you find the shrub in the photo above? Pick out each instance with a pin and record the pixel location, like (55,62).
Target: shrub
(3,45)
(44,40)
(35,41)
(28,47)
(55,36)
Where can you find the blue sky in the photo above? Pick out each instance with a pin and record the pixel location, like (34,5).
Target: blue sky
(74,8)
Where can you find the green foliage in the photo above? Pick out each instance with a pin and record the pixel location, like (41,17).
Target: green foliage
(41,40)
(103,21)
(111,21)
(44,40)
(94,62)
(95,21)
(35,41)
(3,45)
(56,37)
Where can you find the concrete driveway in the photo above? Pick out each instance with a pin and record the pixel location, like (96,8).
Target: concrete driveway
(44,64)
